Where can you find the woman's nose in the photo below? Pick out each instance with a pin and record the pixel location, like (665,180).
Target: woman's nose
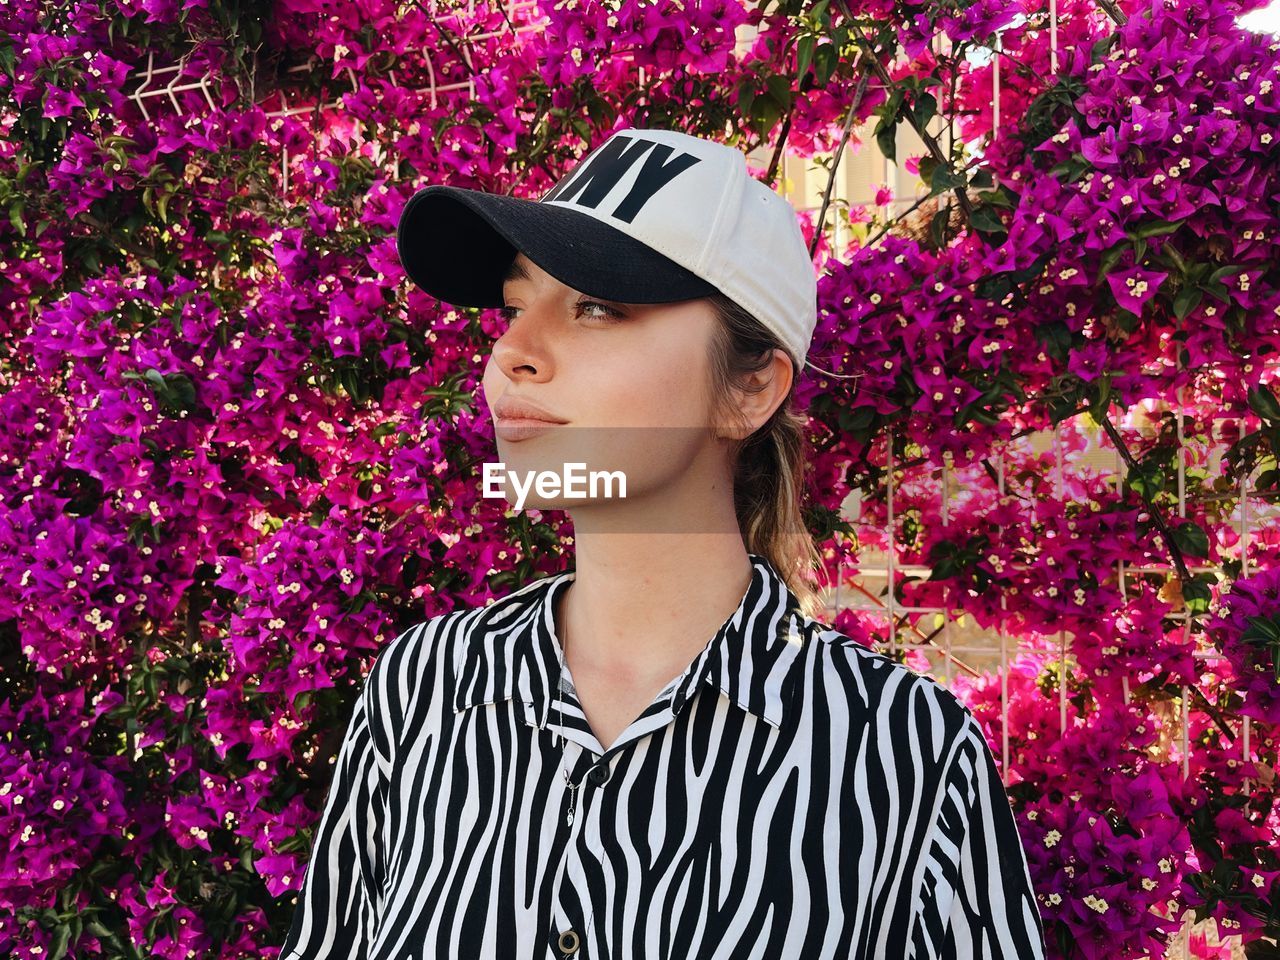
(525,340)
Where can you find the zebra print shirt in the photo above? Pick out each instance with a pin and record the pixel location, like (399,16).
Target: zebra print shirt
(792,794)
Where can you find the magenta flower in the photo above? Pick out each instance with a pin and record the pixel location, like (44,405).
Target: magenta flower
(1089,361)
(1134,287)
(60,103)
(206,528)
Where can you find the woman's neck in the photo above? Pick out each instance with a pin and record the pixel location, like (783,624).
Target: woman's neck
(641,608)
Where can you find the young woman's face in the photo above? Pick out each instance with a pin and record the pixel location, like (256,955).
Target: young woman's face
(630,381)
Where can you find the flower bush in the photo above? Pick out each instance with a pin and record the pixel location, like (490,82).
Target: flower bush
(239,451)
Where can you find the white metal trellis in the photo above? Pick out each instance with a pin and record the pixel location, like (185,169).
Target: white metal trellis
(888,568)
(153,74)
(152,84)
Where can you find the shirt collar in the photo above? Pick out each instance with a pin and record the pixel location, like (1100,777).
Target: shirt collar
(510,650)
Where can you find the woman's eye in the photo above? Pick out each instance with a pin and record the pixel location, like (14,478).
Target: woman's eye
(508,313)
(609,311)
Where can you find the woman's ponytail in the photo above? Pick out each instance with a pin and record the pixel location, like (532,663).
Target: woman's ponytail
(769,473)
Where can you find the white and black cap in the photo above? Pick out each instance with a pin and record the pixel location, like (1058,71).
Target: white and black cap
(649,216)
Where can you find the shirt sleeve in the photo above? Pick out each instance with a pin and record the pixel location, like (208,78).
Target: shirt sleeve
(977,900)
(336,912)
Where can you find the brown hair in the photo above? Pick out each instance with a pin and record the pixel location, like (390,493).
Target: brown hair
(770,464)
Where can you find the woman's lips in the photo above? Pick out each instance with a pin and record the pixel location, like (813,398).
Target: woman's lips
(521,428)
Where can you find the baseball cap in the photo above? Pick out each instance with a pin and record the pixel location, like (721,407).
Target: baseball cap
(649,216)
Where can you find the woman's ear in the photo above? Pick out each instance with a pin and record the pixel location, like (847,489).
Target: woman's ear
(762,394)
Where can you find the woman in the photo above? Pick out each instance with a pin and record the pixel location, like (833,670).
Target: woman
(661,753)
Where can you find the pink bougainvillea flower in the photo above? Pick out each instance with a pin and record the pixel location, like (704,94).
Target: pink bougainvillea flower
(1135,286)
(1089,361)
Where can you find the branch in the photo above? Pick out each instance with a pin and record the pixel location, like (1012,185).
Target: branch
(194,611)
(1175,554)
(1114,12)
(901,624)
(835,163)
(543,106)
(448,37)
(962,197)
(1211,713)
(772,174)
(921,201)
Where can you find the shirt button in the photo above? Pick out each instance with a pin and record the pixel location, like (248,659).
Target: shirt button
(569,941)
(598,774)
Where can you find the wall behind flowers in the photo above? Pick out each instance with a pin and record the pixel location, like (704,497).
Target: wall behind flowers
(238,452)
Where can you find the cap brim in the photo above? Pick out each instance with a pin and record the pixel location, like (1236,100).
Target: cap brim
(456,244)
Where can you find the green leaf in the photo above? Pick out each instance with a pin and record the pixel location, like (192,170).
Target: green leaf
(1156,228)
(948,559)
(61,938)
(926,109)
(1196,594)
(1188,299)
(1100,402)
(926,168)
(1262,630)
(1218,292)
(779,89)
(804,54)
(1109,258)
(1147,479)
(885,140)
(938,225)
(1055,339)
(1191,539)
(1061,408)
(891,108)
(856,420)
(985,220)
(182,392)
(826,58)
(767,115)
(943,178)
(1071,170)
(1263,402)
